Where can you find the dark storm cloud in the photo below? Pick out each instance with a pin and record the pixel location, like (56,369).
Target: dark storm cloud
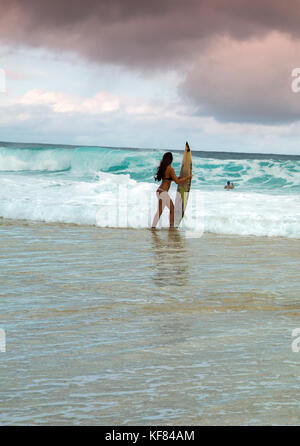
(138,32)
(176,34)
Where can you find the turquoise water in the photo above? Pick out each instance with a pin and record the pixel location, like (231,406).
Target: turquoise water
(277,173)
(111,187)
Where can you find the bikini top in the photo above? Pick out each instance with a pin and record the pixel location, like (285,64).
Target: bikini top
(165,178)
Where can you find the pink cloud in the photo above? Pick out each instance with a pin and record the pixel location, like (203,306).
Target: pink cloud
(247,80)
(59,102)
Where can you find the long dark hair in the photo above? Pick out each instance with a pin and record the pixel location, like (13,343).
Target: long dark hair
(165,162)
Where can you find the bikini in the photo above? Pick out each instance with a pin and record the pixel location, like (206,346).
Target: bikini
(163,190)
(164,200)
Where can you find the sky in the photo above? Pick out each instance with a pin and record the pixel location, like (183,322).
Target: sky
(152,74)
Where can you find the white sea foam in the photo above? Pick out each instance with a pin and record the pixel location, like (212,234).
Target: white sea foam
(119,201)
(23,160)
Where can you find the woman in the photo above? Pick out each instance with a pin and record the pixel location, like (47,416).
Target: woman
(165,172)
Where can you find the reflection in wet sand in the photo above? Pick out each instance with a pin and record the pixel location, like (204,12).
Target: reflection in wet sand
(169,252)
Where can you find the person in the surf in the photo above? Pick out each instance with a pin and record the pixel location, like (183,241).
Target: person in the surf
(229,185)
(165,173)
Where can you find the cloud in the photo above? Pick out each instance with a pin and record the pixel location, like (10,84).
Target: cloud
(15,75)
(140,33)
(99,104)
(236,56)
(246,81)
(54,117)
(37,105)
(37,117)
(60,102)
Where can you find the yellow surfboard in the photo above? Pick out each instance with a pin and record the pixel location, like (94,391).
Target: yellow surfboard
(183,189)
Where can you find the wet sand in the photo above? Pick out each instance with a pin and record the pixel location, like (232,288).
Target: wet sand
(141,327)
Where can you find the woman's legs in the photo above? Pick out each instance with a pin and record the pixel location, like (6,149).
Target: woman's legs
(171,214)
(163,200)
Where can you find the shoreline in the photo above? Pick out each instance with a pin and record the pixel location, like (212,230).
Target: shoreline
(187,233)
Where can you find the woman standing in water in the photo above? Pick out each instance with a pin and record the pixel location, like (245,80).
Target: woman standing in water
(166,174)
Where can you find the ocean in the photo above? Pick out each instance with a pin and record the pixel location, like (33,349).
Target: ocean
(111,187)
(107,322)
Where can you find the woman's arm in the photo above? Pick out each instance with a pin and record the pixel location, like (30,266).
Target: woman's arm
(179,180)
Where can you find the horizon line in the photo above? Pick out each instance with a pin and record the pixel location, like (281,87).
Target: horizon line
(195,151)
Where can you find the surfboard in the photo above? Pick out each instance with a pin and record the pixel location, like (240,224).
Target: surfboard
(183,189)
